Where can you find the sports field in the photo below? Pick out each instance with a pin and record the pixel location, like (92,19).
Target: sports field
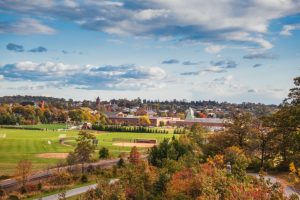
(16,145)
(47,126)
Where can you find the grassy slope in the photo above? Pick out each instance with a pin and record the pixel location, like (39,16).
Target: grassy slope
(25,144)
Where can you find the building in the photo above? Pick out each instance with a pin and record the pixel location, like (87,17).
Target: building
(121,118)
(213,124)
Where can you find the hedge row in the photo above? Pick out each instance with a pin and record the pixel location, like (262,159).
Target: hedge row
(135,129)
(21,127)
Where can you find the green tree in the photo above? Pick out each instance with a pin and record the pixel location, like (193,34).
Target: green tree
(169,150)
(103,153)
(76,115)
(197,134)
(287,126)
(265,139)
(160,185)
(294,94)
(121,163)
(84,149)
(239,129)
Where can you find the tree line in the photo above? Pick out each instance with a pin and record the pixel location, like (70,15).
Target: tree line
(12,114)
(270,141)
(132,129)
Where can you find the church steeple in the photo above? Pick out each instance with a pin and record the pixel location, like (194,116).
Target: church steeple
(98,103)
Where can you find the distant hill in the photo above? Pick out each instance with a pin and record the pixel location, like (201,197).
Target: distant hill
(20,99)
(178,105)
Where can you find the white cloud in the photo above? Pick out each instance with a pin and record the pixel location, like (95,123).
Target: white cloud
(287,29)
(27,26)
(123,77)
(149,14)
(220,88)
(213,20)
(215,69)
(71,3)
(246,37)
(224,79)
(214,49)
(49,68)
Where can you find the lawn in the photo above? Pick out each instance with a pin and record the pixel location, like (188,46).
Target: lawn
(27,144)
(47,126)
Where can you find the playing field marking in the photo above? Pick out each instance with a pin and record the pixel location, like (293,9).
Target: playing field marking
(3,135)
(52,155)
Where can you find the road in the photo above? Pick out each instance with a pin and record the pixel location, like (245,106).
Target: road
(71,193)
(286,189)
(13,183)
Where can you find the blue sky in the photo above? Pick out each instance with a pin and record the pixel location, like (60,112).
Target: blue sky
(227,50)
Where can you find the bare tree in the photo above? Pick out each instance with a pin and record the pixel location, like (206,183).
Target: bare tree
(23,170)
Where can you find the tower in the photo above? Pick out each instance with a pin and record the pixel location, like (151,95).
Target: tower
(190,114)
(98,103)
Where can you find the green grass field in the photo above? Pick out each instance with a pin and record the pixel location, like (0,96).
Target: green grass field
(27,144)
(47,126)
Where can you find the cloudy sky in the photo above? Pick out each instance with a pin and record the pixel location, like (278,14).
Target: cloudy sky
(225,50)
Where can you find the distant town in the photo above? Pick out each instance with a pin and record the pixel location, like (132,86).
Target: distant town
(177,113)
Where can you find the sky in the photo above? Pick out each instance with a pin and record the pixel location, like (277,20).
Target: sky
(223,50)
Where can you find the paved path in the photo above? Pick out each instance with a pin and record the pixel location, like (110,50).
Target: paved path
(286,189)
(11,183)
(71,193)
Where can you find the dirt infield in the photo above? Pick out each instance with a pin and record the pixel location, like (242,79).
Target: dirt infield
(132,144)
(52,155)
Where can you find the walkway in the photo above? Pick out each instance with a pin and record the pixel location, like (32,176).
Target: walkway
(286,189)
(71,193)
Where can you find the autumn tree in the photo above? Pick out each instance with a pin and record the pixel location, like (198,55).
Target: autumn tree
(135,156)
(238,161)
(23,171)
(144,120)
(239,132)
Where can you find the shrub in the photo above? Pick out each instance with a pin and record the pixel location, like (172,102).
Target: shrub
(23,190)
(13,197)
(61,178)
(2,193)
(31,187)
(121,163)
(39,186)
(2,177)
(90,169)
(84,179)
(103,153)
(254,165)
